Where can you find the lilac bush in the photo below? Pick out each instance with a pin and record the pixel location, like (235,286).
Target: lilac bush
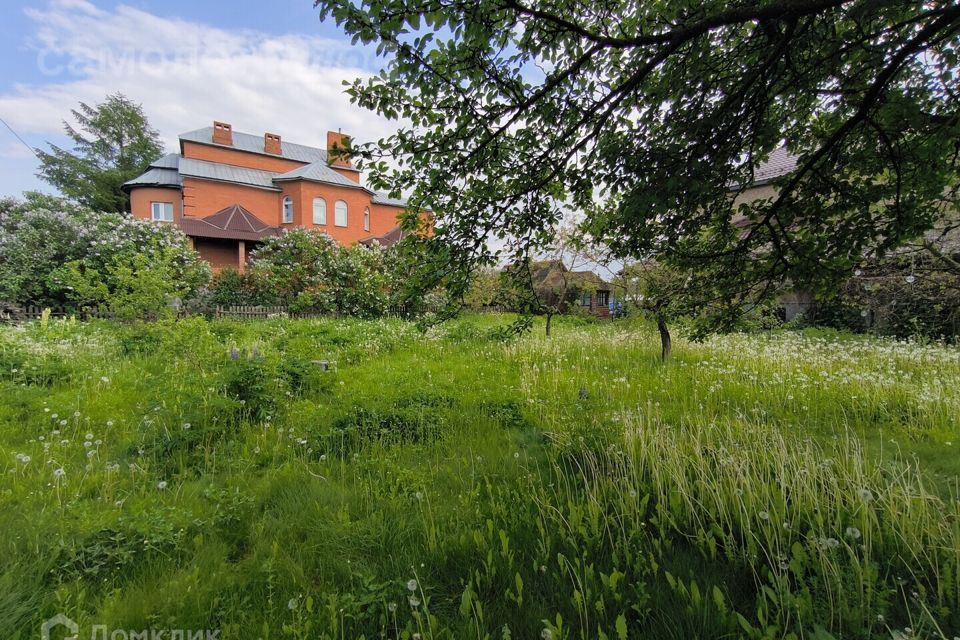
(61,254)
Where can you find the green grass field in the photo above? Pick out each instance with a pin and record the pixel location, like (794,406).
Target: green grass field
(208,475)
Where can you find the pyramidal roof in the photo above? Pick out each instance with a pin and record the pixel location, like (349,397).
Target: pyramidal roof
(232,223)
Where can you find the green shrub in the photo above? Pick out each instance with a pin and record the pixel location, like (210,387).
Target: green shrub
(253,382)
(88,260)
(309,272)
(362,427)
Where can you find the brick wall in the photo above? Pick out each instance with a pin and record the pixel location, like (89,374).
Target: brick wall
(219,253)
(202,198)
(142,197)
(239,158)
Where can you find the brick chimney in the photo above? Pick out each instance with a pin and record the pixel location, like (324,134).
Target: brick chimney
(337,141)
(222,133)
(272,144)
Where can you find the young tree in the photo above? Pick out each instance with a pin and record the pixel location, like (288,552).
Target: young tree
(662,112)
(113,143)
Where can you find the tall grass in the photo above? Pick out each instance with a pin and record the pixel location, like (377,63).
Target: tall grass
(208,475)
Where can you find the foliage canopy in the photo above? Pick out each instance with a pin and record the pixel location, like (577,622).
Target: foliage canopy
(653,117)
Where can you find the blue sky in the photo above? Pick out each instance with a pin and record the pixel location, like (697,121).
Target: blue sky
(262,65)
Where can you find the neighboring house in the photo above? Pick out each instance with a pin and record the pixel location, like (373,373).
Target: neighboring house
(780,163)
(552,280)
(229,191)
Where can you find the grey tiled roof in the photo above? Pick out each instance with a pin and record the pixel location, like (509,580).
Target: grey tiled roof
(254,144)
(780,162)
(227,173)
(318,172)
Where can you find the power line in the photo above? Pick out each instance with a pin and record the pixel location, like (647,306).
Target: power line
(22,141)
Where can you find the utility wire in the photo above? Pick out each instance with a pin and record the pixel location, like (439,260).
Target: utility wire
(17,136)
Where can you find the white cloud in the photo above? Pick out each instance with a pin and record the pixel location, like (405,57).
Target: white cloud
(188,74)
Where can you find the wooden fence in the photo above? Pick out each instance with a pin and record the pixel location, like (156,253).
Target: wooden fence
(249,312)
(255,312)
(12,314)
(26,314)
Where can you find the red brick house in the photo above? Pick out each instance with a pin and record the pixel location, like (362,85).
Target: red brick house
(229,190)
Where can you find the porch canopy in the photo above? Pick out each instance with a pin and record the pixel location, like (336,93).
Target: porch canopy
(232,223)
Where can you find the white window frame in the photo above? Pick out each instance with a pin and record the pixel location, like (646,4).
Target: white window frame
(287,210)
(320,219)
(165,210)
(366,219)
(337,210)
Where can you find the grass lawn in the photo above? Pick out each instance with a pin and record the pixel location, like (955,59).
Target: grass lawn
(209,475)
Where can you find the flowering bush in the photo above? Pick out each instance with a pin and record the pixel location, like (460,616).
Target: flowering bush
(60,254)
(35,238)
(310,272)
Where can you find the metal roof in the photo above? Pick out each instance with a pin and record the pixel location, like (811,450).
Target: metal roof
(227,173)
(382,198)
(318,172)
(162,172)
(156,178)
(255,144)
(169,161)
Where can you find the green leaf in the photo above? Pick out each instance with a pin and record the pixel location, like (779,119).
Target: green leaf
(621,626)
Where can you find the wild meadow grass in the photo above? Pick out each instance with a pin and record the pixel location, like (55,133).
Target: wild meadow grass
(449,484)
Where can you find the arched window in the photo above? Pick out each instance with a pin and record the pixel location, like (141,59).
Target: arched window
(366,219)
(319,211)
(287,210)
(340,213)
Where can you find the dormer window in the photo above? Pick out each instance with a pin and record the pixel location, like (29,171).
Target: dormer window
(288,210)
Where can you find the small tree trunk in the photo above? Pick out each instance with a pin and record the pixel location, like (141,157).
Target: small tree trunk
(666,344)
(549,321)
